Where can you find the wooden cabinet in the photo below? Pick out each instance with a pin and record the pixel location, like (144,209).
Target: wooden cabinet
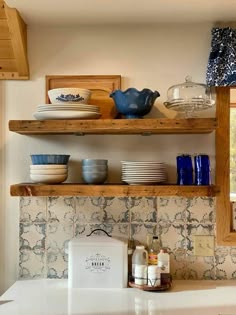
(119,127)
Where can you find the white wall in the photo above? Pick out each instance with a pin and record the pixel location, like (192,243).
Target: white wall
(155,57)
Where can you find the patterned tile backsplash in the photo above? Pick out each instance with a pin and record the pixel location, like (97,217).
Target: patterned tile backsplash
(48,223)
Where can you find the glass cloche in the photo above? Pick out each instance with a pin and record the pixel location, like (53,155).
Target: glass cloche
(189,97)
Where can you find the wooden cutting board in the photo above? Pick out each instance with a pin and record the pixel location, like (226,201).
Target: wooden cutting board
(100,85)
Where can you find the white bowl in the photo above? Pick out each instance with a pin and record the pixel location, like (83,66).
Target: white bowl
(69,96)
(53,171)
(48,166)
(50,179)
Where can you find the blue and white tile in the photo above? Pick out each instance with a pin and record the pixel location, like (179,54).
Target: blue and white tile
(57,265)
(58,236)
(32,236)
(172,209)
(177,266)
(140,231)
(202,210)
(225,262)
(173,238)
(119,231)
(61,209)
(199,268)
(33,209)
(31,265)
(81,229)
(143,210)
(91,209)
(117,211)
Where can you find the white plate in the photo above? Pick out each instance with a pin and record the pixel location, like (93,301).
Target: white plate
(137,182)
(143,176)
(143,169)
(69,105)
(144,179)
(142,162)
(61,107)
(67,109)
(66,115)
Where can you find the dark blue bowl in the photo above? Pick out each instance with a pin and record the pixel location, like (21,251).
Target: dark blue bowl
(133,103)
(49,159)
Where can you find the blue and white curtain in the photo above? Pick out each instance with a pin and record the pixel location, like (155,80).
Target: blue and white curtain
(221,68)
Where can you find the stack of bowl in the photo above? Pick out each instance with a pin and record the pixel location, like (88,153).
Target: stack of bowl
(94,171)
(68,103)
(49,168)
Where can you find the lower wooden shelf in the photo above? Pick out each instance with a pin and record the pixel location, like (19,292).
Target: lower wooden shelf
(116,190)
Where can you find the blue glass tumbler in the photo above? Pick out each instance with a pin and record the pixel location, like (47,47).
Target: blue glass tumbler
(184,169)
(202,170)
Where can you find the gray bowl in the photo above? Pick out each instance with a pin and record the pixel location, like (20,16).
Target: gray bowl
(94,177)
(88,162)
(94,168)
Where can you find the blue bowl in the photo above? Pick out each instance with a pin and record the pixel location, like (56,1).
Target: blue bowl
(133,103)
(49,158)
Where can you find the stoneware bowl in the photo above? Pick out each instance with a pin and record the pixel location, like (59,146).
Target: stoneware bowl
(94,177)
(133,103)
(94,168)
(69,96)
(49,158)
(52,171)
(92,162)
(50,179)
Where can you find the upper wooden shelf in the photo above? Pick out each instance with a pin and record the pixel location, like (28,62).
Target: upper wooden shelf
(114,126)
(116,190)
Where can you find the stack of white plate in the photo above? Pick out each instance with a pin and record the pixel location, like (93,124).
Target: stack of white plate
(48,173)
(143,172)
(67,111)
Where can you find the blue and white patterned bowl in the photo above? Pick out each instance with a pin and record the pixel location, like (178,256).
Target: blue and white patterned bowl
(69,96)
(133,103)
(49,159)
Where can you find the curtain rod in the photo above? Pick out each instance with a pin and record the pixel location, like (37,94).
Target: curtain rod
(225,24)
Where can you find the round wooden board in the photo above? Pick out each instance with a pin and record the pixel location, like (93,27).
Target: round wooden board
(163,287)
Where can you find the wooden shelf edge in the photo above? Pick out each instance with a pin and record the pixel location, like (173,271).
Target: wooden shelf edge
(114,126)
(116,190)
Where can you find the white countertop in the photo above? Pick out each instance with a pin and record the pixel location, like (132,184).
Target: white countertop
(52,297)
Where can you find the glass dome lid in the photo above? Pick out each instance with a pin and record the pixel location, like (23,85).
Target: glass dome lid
(189,96)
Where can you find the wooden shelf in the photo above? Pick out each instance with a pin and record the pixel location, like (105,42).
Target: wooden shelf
(116,190)
(114,126)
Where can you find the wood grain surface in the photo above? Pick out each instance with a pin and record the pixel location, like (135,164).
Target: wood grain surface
(100,85)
